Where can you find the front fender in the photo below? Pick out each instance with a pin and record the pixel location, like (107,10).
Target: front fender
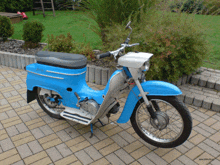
(155,88)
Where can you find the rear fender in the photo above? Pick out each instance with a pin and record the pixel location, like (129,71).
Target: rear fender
(31,95)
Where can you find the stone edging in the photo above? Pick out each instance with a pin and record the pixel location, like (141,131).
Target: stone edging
(208,78)
(15,60)
(95,74)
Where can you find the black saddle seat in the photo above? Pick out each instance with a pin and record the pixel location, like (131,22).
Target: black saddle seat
(63,60)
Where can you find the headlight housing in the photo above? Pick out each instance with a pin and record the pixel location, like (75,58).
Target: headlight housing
(146,66)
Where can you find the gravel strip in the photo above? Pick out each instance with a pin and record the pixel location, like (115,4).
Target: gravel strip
(15,46)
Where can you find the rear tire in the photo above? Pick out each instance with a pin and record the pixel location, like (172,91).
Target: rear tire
(149,133)
(51,109)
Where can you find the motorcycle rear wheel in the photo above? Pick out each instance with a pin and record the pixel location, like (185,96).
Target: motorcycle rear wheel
(173,128)
(51,108)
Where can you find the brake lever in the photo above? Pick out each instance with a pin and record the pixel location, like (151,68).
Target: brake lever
(133,44)
(116,52)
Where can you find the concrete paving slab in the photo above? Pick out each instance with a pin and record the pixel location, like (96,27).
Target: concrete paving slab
(28,135)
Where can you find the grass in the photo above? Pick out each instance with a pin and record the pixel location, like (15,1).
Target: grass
(77,23)
(212,24)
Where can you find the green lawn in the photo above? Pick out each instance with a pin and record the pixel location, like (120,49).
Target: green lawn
(212,24)
(77,23)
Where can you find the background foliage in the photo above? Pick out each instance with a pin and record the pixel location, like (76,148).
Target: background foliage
(196,6)
(77,23)
(107,12)
(15,5)
(188,6)
(33,31)
(6,28)
(27,5)
(67,44)
(60,43)
(177,42)
(212,7)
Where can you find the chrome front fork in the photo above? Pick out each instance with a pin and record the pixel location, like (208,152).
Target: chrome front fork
(136,73)
(149,106)
(143,94)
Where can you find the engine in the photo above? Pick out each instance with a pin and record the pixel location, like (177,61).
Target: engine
(90,106)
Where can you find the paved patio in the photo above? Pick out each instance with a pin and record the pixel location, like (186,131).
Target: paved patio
(29,136)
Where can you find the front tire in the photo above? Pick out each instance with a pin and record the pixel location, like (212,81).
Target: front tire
(173,129)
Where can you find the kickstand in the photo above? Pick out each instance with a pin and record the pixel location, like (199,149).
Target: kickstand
(108,116)
(100,122)
(91,126)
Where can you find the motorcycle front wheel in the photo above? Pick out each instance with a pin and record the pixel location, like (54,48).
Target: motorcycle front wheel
(171,127)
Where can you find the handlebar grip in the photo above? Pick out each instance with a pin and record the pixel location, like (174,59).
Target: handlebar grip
(103,55)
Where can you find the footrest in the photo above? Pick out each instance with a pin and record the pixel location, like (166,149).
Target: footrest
(77,115)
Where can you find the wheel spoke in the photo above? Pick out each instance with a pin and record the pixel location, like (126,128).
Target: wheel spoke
(168,114)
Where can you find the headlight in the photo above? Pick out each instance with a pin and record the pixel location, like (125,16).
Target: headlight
(146,66)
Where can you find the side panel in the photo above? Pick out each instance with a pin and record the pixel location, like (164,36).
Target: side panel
(155,88)
(59,79)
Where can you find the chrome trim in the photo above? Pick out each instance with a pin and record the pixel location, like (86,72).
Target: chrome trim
(65,73)
(46,75)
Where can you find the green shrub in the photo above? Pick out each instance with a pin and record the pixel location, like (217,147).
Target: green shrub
(33,31)
(6,28)
(61,43)
(189,6)
(212,7)
(18,5)
(68,45)
(107,12)
(63,4)
(67,4)
(85,49)
(2,6)
(177,42)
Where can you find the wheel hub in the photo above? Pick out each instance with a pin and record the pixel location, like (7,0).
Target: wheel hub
(50,101)
(161,121)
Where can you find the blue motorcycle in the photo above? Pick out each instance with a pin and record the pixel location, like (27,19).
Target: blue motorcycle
(58,83)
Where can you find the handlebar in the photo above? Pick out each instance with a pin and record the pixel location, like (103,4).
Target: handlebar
(127,41)
(115,52)
(132,45)
(103,55)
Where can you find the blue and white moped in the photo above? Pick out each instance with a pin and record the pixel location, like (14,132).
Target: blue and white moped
(58,83)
